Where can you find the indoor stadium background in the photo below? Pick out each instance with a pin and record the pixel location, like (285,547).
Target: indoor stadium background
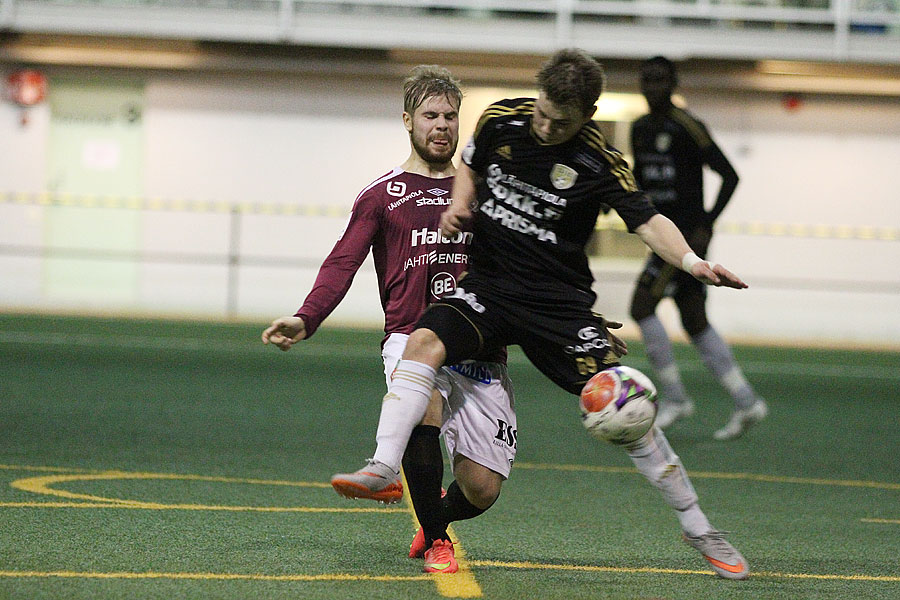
(172,175)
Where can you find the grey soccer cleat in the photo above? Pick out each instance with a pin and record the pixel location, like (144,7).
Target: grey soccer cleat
(375,481)
(741,420)
(669,412)
(724,558)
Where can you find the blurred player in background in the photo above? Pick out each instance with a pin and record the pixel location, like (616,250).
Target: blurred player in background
(398,216)
(670,149)
(535,176)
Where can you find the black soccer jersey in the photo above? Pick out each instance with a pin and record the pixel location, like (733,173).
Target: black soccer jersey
(538,204)
(669,153)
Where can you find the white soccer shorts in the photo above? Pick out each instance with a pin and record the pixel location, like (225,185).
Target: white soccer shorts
(479,417)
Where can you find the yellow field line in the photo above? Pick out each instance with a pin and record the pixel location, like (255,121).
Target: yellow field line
(595,569)
(154,506)
(448,578)
(41,485)
(461,584)
(106,474)
(213,576)
(718,475)
(882,521)
(586,568)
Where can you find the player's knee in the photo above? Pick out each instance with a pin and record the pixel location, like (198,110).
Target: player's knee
(426,347)
(481,493)
(692,308)
(480,485)
(694,324)
(639,313)
(641,307)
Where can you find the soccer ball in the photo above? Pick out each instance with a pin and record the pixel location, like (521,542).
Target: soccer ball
(618,405)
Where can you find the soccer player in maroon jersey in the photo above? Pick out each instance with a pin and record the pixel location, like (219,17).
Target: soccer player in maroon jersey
(535,176)
(670,148)
(397,216)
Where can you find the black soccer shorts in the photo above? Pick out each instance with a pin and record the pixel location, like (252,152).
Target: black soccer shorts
(567,341)
(667,281)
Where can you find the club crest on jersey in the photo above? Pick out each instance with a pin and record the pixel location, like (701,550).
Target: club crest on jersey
(562,177)
(663,142)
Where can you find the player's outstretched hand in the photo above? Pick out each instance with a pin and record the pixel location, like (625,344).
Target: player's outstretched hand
(453,219)
(715,274)
(284,332)
(618,344)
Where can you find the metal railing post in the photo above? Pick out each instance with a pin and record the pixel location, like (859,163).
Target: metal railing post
(234,262)
(564,22)
(841,28)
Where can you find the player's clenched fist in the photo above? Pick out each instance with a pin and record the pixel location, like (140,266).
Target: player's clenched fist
(453,219)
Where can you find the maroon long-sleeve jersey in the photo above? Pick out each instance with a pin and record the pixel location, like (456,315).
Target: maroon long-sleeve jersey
(398,217)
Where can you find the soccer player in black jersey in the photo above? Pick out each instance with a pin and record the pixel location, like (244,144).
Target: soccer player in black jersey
(671,148)
(534,177)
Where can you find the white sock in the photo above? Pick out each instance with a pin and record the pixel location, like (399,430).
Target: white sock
(655,459)
(693,522)
(718,358)
(402,409)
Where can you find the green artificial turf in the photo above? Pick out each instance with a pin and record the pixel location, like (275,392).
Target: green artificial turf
(163,459)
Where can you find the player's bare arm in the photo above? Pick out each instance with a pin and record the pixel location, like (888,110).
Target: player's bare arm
(664,238)
(719,163)
(284,332)
(459,211)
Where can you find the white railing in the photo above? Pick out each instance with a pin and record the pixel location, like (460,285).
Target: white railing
(867,30)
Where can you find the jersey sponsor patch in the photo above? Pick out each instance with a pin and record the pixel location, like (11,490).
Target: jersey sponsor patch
(516,222)
(479,373)
(434,201)
(597,343)
(397,203)
(395,188)
(434,257)
(442,284)
(506,435)
(434,236)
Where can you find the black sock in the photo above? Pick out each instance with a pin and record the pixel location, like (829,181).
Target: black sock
(423,464)
(457,507)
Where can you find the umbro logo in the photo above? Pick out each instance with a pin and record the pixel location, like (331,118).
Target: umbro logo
(437,192)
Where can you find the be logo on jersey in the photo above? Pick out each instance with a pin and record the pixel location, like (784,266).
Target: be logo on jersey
(562,177)
(443,284)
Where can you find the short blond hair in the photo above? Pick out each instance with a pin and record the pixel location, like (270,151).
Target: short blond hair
(425,81)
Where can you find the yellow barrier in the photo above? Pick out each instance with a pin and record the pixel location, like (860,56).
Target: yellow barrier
(604,223)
